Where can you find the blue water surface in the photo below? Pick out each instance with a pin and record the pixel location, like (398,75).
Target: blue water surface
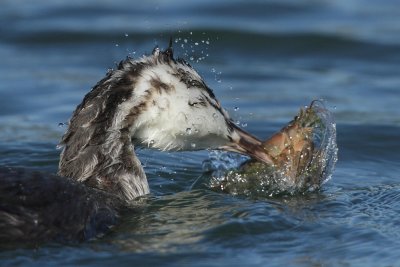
(264,60)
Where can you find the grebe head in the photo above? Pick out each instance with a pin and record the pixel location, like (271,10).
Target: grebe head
(155,101)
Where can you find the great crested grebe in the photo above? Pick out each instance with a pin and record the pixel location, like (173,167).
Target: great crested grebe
(156,101)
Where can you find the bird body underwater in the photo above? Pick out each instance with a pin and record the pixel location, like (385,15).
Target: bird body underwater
(155,101)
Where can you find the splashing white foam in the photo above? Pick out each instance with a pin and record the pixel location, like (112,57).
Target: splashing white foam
(236,175)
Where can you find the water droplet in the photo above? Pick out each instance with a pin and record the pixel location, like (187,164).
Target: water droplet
(212,70)
(244,124)
(189,130)
(116,45)
(191,58)
(196,43)
(235,108)
(191,33)
(185,40)
(193,145)
(151,142)
(126,35)
(59,146)
(207,42)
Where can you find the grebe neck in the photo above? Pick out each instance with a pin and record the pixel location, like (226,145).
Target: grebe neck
(97,147)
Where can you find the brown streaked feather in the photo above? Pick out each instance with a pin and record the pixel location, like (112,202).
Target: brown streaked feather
(88,137)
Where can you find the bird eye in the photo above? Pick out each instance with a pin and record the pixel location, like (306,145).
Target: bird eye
(192,104)
(197,103)
(193,83)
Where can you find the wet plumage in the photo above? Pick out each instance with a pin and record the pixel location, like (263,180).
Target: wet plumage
(155,101)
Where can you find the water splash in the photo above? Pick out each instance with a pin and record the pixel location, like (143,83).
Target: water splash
(59,146)
(194,46)
(295,172)
(220,162)
(62,124)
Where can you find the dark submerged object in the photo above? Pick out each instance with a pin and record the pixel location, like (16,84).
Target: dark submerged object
(37,207)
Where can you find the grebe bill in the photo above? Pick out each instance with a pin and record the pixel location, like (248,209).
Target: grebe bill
(156,101)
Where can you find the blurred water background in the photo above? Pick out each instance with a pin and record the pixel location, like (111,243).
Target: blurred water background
(264,60)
